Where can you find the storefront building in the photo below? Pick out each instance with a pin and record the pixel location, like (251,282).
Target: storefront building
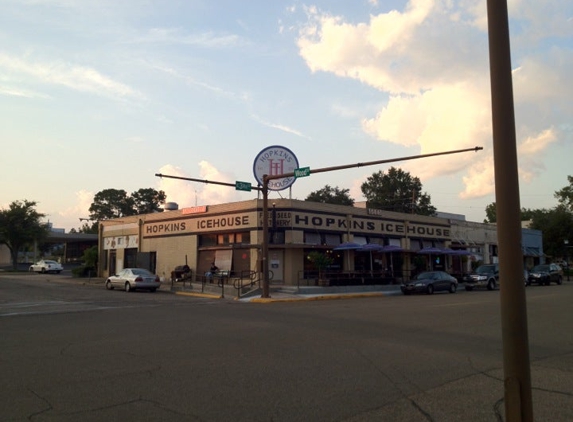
(231,236)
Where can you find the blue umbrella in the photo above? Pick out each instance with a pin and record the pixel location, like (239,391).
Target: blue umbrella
(391,249)
(431,251)
(371,247)
(347,246)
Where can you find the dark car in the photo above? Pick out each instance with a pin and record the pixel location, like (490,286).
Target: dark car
(430,282)
(545,274)
(486,275)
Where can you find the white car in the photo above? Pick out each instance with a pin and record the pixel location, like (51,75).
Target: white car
(131,279)
(46,266)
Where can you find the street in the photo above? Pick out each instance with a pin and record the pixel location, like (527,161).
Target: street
(74,351)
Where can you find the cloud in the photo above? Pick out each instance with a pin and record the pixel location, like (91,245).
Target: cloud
(79,78)
(180,36)
(191,193)
(438,82)
(279,127)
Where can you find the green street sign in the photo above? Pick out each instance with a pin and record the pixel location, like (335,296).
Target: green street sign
(246,186)
(302,172)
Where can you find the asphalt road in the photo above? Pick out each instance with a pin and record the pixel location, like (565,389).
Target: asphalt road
(73,351)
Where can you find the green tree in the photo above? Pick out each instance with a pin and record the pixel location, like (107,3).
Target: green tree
(490,213)
(20,226)
(147,201)
(321,261)
(110,203)
(397,191)
(116,203)
(331,195)
(565,195)
(557,226)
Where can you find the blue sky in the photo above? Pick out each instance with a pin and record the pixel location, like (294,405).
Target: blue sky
(99,94)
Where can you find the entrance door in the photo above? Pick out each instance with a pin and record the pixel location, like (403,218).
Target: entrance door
(112,263)
(276,265)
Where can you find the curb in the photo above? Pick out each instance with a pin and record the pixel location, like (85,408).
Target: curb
(205,295)
(320,297)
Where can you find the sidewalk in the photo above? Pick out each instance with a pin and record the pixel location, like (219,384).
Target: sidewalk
(288,293)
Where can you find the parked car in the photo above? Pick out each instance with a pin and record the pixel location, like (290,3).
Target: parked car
(131,279)
(430,282)
(486,275)
(545,274)
(46,266)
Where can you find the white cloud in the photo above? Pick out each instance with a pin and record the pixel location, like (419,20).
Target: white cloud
(191,193)
(432,60)
(79,78)
(180,36)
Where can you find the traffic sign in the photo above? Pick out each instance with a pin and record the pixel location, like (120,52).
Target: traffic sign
(246,186)
(302,172)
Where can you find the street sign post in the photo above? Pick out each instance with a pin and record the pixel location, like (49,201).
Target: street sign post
(302,172)
(246,186)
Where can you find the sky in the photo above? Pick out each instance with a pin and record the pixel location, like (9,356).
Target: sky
(105,94)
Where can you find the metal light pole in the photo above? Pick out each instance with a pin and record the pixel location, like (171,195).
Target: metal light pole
(566,242)
(517,378)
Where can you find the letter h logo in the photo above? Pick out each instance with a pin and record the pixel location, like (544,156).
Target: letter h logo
(276,167)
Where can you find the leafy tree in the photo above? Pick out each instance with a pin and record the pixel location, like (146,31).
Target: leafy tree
(565,195)
(490,213)
(557,226)
(321,261)
(148,200)
(397,191)
(330,195)
(116,203)
(110,203)
(20,225)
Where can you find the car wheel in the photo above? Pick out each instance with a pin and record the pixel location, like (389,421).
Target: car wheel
(128,287)
(430,289)
(108,285)
(153,290)
(43,270)
(31,269)
(453,288)
(491,285)
(559,281)
(469,288)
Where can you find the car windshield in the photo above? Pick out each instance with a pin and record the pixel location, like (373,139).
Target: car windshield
(425,276)
(485,269)
(540,268)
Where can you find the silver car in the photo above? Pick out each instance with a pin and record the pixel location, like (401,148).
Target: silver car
(130,279)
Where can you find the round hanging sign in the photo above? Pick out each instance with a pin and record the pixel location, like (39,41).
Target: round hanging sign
(273,161)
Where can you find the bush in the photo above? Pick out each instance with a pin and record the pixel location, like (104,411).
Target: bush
(84,271)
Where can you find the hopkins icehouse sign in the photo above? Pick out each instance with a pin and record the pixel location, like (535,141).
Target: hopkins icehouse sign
(275,160)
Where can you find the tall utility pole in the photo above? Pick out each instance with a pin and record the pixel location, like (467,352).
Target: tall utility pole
(517,379)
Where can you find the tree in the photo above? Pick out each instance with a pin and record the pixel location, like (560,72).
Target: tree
(490,213)
(565,195)
(329,195)
(557,226)
(397,191)
(116,203)
(110,203)
(147,201)
(321,261)
(20,225)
